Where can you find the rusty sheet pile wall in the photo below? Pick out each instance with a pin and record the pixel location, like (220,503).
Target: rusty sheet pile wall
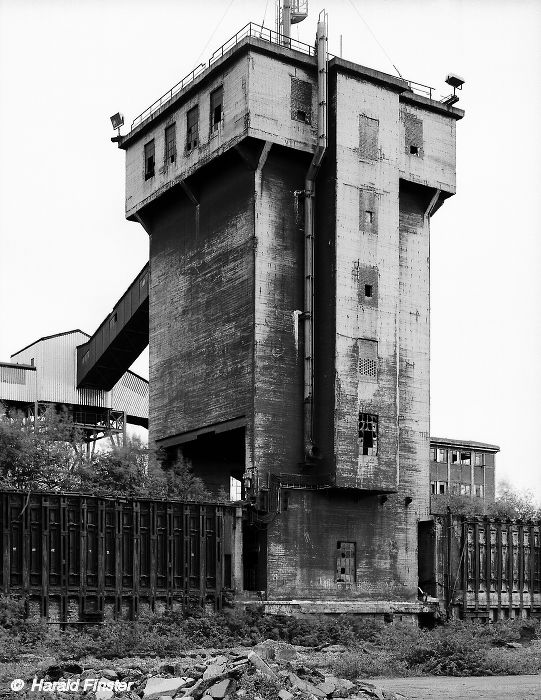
(485,568)
(77,557)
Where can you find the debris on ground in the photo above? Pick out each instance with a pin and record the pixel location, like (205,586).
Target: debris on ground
(271,668)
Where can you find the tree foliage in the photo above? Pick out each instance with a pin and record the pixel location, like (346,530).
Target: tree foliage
(510,504)
(52,458)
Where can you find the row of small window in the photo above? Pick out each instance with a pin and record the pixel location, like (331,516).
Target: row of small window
(192,133)
(438,488)
(439,454)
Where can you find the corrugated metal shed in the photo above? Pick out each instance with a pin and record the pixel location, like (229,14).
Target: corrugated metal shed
(17,382)
(53,360)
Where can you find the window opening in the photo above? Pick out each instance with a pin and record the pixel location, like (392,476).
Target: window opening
(368,291)
(465,457)
(442,455)
(149,160)
(442,487)
(414,150)
(369,217)
(454,457)
(433,485)
(479,491)
(345,562)
(479,459)
(465,489)
(192,128)
(433,454)
(170,144)
(301,101)
(216,108)
(368,433)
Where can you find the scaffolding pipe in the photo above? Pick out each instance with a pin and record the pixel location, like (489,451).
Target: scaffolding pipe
(309,233)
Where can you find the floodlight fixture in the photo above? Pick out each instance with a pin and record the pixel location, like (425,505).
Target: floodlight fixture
(455,81)
(117,120)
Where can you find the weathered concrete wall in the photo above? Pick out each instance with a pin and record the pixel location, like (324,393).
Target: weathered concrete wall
(233,77)
(366,252)
(279,262)
(302,549)
(201,304)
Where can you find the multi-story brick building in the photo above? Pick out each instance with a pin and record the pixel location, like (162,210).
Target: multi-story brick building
(289,326)
(462,468)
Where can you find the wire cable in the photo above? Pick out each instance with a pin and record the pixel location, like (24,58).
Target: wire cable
(265,14)
(375,38)
(215,30)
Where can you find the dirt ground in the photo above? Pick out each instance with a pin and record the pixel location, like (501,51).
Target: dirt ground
(450,688)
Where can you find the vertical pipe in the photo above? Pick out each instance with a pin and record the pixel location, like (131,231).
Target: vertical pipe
(309,231)
(286,20)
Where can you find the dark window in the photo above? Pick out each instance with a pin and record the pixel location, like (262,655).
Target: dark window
(216,108)
(455,457)
(149,160)
(345,562)
(368,137)
(414,150)
(32,361)
(368,434)
(441,487)
(301,100)
(192,128)
(465,457)
(170,154)
(368,291)
(433,487)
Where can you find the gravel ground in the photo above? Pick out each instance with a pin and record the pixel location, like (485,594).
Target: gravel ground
(477,688)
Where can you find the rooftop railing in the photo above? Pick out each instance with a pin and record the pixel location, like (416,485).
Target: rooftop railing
(250,30)
(260,32)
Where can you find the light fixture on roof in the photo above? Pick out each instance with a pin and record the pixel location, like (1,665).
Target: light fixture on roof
(456,82)
(117,120)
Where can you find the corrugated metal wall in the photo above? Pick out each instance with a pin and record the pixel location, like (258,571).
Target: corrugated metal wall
(17,383)
(55,359)
(78,557)
(484,568)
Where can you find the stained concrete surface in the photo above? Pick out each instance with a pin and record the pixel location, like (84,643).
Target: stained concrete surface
(452,688)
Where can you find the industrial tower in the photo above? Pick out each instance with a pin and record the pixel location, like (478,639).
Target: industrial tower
(287,196)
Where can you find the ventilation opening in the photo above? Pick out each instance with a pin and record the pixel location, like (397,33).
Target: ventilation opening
(301,115)
(368,291)
(414,150)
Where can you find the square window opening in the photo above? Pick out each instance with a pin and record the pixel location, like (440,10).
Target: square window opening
(414,150)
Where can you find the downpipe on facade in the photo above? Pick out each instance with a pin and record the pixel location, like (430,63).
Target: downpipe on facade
(309,232)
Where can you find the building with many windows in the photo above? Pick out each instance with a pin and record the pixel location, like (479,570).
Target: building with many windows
(462,468)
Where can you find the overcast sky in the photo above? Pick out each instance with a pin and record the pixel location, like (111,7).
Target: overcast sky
(67,253)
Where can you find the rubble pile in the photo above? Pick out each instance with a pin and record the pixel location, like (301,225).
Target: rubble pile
(270,671)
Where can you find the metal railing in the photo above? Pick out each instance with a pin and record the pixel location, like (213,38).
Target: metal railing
(250,30)
(257,31)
